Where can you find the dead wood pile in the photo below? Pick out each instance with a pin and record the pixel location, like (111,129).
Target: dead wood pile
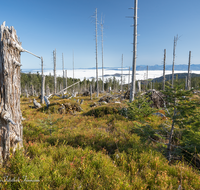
(86,93)
(36,104)
(127,95)
(156,97)
(69,107)
(107,99)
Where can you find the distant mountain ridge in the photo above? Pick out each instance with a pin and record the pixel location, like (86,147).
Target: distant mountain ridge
(168,67)
(138,68)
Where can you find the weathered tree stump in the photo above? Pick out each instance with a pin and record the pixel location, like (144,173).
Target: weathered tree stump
(11,129)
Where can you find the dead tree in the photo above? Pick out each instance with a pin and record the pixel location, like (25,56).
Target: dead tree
(63,70)
(132,92)
(174,55)
(96,56)
(43,84)
(164,69)
(102,54)
(147,82)
(129,78)
(139,86)
(11,129)
(54,61)
(188,77)
(73,70)
(43,94)
(32,90)
(66,79)
(47,90)
(122,74)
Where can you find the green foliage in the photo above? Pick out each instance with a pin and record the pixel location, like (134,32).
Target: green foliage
(107,151)
(102,111)
(140,108)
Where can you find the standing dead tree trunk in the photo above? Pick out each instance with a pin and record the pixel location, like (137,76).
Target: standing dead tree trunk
(102,54)
(63,71)
(188,77)
(164,69)
(54,61)
(129,78)
(43,83)
(96,56)
(122,74)
(10,114)
(132,91)
(66,79)
(174,55)
(43,93)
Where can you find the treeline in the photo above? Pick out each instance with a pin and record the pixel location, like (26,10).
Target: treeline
(30,81)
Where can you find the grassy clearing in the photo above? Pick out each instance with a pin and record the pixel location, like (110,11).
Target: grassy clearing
(94,149)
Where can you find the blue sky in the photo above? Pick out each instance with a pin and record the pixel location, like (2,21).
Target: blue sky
(67,25)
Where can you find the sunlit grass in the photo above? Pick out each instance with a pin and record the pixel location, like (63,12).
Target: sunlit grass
(95,149)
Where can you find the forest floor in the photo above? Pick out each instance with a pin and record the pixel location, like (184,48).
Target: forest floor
(93,148)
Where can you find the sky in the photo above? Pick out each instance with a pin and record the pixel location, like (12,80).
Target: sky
(69,25)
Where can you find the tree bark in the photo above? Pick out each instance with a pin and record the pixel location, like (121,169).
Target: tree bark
(11,129)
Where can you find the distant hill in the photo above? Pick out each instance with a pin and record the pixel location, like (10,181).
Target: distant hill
(168,67)
(180,76)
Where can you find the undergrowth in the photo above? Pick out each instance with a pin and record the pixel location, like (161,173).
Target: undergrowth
(98,149)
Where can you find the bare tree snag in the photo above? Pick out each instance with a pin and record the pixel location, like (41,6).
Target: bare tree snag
(54,60)
(43,94)
(43,82)
(66,79)
(188,77)
(132,91)
(96,56)
(174,55)
(11,129)
(164,69)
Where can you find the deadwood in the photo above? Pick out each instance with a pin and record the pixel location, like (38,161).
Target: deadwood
(10,114)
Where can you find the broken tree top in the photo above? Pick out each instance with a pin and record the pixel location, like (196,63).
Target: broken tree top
(11,37)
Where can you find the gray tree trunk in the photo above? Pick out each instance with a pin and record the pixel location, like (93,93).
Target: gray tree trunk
(43,94)
(174,55)
(63,71)
(54,60)
(139,86)
(164,69)
(102,54)
(66,79)
(96,58)
(132,91)
(129,75)
(11,129)
(122,75)
(188,77)
(90,92)
(32,90)
(43,82)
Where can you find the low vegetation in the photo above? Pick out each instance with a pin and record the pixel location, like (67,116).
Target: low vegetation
(111,146)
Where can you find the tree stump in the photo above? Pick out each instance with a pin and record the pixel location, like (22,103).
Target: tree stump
(11,129)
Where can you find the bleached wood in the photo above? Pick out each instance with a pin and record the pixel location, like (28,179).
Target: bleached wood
(43,94)
(188,77)
(96,56)
(66,79)
(164,69)
(54,60)
(132,91)
(174,55)
(10,113)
